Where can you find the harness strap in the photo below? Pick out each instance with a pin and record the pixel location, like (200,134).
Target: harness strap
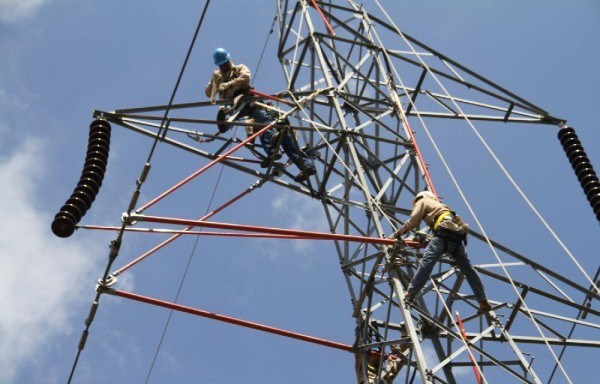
(440,218)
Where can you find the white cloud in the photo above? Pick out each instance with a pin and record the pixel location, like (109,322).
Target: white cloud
(17,10)
(302,213)
(45,280)
(12,101)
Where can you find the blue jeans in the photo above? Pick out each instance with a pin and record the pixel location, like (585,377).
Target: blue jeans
(298,156)
(435,249)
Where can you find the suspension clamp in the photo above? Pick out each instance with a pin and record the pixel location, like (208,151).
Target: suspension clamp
(103,289)
(108,282)
(129,219)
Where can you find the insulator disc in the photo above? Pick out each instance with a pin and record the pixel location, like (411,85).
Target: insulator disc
(87,190)
(592,192)
(63,225)
(97,177)
(573,153)
(589,183)
(86,198)
(566,133)
(99,155)
(104,144)
(97,151)
(596,206)
(579,159)
(571,142)
(97,131)
(94,168)
(96,159)
(591,186)
(98,145)
(104,135)
(73,210)
(91,183)
(588,173)
(583,169)
(79,203)
(100,125)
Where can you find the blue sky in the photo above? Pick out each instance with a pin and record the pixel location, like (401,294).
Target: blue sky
(60,59)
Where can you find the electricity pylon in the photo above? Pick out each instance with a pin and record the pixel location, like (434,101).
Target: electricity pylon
(357,91)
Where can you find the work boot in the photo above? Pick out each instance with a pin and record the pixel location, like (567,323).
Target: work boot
(305,174)
(484,306)
(409,297)
(267,160)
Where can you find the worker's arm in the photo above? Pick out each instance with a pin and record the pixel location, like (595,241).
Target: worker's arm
(413,221)
(240,81)
(213,84)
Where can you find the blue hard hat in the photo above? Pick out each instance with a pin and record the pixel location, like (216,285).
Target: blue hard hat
(220,56)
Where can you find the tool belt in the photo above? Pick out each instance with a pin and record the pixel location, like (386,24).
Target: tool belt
(454,235)
(450,227)
(231,112)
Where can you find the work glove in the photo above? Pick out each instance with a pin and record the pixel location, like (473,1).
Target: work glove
(399,240)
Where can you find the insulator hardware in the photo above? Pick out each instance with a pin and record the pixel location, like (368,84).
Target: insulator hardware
(582,166)
(89,183)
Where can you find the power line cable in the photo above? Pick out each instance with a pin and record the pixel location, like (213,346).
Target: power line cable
(185,272)
(115,244)
(187,57)
(464,197)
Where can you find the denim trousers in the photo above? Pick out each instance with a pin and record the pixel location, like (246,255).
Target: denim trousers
(435,249)
(291,149)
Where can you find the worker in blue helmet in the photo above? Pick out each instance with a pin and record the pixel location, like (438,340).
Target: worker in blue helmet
(232,81)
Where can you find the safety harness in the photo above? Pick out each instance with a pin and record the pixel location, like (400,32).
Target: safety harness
(440,217)
(456,235)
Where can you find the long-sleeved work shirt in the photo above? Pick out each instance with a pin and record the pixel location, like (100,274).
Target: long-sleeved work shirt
(237,78)
(424,209)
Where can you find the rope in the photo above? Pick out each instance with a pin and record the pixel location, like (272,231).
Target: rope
(264,47)
(460,190)
(185,272)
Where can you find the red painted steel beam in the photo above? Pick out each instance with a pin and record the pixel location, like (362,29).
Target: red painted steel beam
(195,233)
(175,237)
(418,152)
(203,169)
(280,231)
(227,319)
(464,335)
(316,6)
(270,97)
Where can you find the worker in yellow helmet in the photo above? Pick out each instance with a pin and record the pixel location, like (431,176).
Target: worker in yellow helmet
(449,236)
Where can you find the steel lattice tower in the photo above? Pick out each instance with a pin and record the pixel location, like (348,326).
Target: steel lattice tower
(370,95)
(357,90)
